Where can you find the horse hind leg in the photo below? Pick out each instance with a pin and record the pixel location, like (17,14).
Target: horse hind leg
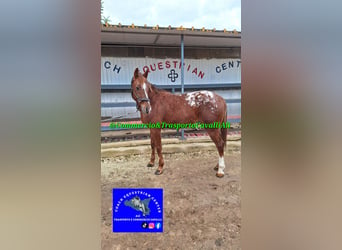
(217,139)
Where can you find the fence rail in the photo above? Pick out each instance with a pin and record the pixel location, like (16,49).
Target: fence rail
(169,86)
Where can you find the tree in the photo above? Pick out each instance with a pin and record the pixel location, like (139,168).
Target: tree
(104,20)
(101,11)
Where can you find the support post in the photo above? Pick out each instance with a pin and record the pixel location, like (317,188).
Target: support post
(182,73)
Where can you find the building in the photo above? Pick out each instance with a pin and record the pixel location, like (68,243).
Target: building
(211,62)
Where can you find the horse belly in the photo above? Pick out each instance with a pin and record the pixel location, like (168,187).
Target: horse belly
(182,115)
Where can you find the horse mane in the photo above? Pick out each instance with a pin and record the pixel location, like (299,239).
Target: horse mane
(156,90)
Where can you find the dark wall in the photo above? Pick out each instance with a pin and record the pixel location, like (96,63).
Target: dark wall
(194,53)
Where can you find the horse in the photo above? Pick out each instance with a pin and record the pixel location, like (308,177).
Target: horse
(158,106)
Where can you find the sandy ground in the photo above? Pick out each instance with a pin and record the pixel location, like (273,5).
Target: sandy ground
(201,211)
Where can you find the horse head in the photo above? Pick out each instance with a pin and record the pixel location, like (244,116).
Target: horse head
(140,90)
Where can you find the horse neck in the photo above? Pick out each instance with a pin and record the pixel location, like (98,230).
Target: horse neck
(153,92)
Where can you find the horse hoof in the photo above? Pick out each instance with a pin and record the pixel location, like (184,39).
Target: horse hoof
(219,175)
(150,165)
(158,172)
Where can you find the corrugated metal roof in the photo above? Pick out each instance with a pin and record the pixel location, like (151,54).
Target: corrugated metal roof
(168,36)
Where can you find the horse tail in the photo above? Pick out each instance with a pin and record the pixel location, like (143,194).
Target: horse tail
(224,129)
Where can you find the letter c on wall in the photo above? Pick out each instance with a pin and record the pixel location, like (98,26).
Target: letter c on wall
(106,63)
(218,69)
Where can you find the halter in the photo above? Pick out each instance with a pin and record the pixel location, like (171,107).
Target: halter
(139,100)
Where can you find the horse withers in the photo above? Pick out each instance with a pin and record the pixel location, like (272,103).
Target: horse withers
(158,106)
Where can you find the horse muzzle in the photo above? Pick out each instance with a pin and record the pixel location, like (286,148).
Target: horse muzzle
(145,107)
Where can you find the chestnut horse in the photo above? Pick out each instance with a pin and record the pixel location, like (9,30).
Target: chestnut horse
(157,106)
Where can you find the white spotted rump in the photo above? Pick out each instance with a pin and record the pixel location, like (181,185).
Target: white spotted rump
(197,98)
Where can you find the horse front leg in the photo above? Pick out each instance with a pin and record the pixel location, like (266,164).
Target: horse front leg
(153,147)
(156,134)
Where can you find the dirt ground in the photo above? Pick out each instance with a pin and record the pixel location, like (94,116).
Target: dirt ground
(201,211)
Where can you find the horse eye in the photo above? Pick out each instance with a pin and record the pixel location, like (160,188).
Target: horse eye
(137,88)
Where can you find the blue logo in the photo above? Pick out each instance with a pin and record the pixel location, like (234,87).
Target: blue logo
(137,209)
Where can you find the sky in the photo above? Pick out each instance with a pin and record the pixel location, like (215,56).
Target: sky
(210,14)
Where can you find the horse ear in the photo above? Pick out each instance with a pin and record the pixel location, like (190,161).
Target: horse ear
(136,73)
(145,74)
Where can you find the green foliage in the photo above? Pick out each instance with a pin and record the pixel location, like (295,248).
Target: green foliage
(103,19)
(106,20)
